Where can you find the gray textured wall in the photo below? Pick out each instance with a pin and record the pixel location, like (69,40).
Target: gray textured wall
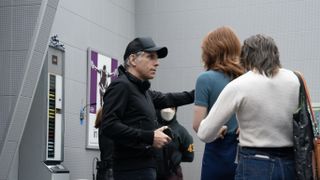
(24,34)
(181,25)
(106,26)
(16,31)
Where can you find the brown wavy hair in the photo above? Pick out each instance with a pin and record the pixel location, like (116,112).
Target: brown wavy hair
(221,52)
(97,123)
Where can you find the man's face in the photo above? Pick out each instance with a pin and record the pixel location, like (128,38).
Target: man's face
(146,65)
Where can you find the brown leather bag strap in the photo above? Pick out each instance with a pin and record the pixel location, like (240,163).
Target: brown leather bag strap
(308,96)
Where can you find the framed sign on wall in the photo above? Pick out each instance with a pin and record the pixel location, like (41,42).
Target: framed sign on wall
(101,71)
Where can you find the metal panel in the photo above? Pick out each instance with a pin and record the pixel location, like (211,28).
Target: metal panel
(41,44)
(19,2)
(5,109)
(21,111)
(5,57)
(6,161)
(23,25)
(61,176)
(53,3)
(5,28)
(59,88)
(5,3)
(33,73)
(55,61)
(16,71)
(58,150)
(34,135)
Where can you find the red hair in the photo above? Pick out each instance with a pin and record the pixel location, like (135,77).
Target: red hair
(221,52)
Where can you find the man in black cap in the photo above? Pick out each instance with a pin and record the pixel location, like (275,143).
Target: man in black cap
(129,116)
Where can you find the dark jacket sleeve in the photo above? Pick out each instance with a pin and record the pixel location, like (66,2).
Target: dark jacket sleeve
(114,108)
(165,100)
(186,146)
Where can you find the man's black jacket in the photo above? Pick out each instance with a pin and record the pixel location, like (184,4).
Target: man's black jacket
(129,119)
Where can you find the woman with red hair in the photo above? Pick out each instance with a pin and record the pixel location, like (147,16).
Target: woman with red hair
(264,99)
(220,54)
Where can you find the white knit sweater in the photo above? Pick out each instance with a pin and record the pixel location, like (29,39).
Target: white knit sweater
(264,108)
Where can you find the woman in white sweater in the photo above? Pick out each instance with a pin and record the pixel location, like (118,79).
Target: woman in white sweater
(264,100)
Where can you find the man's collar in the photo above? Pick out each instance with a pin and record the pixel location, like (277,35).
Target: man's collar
(143,85)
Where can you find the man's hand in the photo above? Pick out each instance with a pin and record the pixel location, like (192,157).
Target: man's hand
(160,139)
(222,132)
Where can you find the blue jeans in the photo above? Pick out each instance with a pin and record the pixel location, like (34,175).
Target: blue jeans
(265,164)
(218,159)
(139,174)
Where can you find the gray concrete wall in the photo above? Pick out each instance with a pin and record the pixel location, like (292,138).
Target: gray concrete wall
(24,35)
(181,25)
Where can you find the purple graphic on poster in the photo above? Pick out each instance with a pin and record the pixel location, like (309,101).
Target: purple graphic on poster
(101,71)
(93,82)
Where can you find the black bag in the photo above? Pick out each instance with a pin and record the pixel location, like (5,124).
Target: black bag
(303,137)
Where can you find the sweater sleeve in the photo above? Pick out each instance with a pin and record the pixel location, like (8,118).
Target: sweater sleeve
(114,108)
(165,100)
(225,106)
(186,146)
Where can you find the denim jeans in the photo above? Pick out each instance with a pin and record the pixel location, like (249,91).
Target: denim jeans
(140,174)
(218,159)
(265,164)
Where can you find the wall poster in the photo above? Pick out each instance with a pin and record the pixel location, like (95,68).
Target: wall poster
(101,71)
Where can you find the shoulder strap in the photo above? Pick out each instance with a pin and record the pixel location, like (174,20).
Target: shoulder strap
(303,85)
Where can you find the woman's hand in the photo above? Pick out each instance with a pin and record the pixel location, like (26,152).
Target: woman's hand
(222,132)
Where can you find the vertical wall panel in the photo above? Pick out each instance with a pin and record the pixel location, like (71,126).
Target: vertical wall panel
(41,44)
(23,24)
(16,70)
(30,83)
(22,65)
(5,109)
(5,57)
(5,28)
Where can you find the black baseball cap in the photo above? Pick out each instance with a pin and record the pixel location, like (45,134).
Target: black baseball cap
(145,44)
